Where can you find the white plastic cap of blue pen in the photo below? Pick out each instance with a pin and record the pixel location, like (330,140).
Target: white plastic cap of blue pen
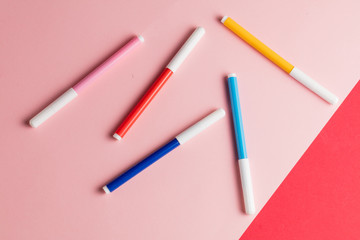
(185,50)
(200,126)
(246,184)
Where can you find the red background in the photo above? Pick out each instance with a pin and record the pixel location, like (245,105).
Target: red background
(320,198)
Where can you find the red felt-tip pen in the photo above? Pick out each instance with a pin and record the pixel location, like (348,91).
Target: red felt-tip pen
(159,83)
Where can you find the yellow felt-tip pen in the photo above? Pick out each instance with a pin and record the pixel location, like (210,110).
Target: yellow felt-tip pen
(293,71)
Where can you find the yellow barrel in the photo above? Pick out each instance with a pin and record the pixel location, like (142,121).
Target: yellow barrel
(257,44)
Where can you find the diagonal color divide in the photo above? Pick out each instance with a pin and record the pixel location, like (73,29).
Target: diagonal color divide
(319,199)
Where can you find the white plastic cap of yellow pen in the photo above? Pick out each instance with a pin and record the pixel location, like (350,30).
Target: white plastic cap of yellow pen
(313,85)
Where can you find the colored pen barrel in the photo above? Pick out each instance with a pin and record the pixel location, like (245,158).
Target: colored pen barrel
(171,68)
(177,141)
(73,92)
(142,104)
(295,72)
(243,160)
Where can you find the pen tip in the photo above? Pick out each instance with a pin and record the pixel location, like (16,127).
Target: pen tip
(116,136)
(141,38)
(224,19)
(231,75)
(106,190)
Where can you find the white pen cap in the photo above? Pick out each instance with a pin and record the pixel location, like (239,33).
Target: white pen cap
(313,86)
(185,50)
(53,107)
(200,126)
(246,185)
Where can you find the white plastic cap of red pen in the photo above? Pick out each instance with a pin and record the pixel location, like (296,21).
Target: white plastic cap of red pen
(185,50)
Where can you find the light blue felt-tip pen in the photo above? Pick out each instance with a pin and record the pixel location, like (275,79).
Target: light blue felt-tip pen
(241,147)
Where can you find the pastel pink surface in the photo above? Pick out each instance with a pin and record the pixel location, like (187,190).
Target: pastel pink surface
(50,177)
(86,81)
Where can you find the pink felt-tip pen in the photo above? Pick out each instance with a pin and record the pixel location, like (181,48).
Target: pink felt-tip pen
(73,92)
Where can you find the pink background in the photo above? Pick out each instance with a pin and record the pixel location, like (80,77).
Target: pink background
(50,177)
